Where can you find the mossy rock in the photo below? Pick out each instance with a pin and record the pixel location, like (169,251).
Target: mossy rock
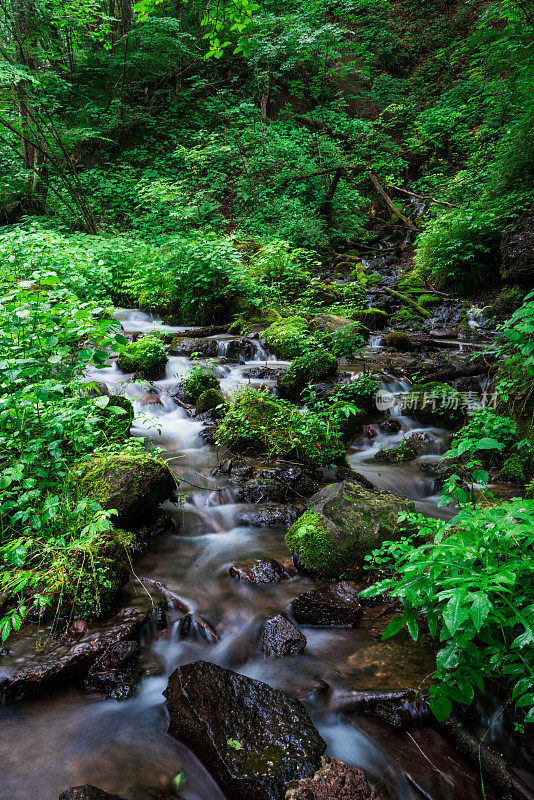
(312,368)
(132,484)
(372,318)
(344,523)
(401,454)
(429,300)
(329,323)
(146,356)
(209,400)
(399,341)
(529,493)
(436,404)
(513,470)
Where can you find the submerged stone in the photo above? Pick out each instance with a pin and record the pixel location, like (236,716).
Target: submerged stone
(260,571)
(252,738)
(87,792)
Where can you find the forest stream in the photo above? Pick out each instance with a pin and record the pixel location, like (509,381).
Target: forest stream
(67,737)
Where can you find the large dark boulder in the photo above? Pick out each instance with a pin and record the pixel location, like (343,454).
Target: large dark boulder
(344,523)
(518,252)
(265,570)
(252,738)
(333,781)
(87,792)
(132,484)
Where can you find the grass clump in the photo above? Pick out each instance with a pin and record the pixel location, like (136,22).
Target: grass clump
(257,421)
(311,368)
(146,356)
(199,379)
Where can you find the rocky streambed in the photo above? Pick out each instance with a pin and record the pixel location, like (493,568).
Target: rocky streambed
(271,677)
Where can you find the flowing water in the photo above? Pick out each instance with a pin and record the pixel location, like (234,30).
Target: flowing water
(68,738)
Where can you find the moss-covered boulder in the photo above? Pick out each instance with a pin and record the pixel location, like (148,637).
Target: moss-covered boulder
(372,318)
(513,470)
(401,454)
(146,356)
(198,380)
(316,366)
(344,523)
(329,323)
(134,484)
(436,404)
(429,300)
(399,341)
(209,400)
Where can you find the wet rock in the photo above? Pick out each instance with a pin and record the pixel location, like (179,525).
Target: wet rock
(344,522)
(238,350)
(333,606)
(134,485)
(87,792)
(333,781)
(193,627)
(264,373)
(114,673)
(390,426)
(518,252)
(29,669)
(261,571)
(185,346)
(79,627)
(279,638)
(273,741)
(261,490)
(150,399)
(268,516)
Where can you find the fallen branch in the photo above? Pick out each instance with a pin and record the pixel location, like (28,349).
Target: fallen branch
(423,197)
(389,203)
(407,301)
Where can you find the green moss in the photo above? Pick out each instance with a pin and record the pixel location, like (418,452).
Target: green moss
(399,341)
(429,300)
(208,400)
(312,368)
(310,539)
(513,470)
(133,484)
(436,404)
(397,455)
(529,493)
(402,317)
(145,356)
(288,337)
(372,318)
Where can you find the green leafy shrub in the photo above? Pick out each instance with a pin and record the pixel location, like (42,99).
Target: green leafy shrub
(198,379)
(473,585)
(347,341)
(146,356)
(436,403)
(288,338)
(257,421)
(313,367)
(488,433)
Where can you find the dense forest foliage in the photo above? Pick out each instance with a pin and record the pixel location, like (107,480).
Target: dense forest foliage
(240,162)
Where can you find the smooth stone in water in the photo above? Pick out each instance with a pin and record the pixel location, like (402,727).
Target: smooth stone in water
(252,738)
(279,638)
(261,571)
(334,606)
(87,792)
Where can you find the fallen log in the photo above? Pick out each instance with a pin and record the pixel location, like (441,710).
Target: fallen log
(407,301)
